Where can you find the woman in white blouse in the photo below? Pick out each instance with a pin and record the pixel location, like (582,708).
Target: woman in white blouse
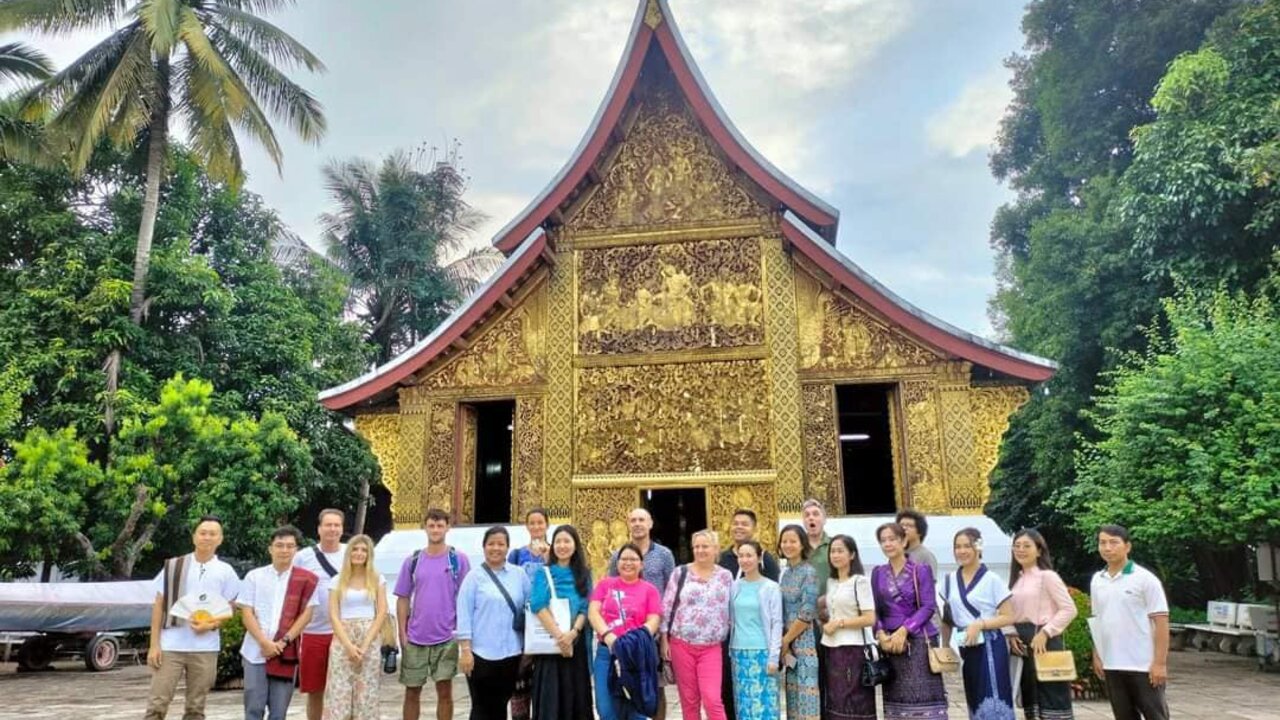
(851,609)
(1042,610)
(357,610)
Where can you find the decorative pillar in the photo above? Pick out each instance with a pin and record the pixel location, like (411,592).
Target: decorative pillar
(784,356)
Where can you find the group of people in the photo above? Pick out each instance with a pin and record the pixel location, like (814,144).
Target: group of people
(734,630)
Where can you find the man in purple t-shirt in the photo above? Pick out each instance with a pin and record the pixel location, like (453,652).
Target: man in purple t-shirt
(427,611)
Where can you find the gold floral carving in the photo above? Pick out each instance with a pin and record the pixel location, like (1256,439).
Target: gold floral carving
(677,296)
(511,352)
(438,469)
(666,171)
(722,500)
(526,455)
(836,334)
(601,516)
(652,15)
(925,478)
(991,408)
(788,450)
(407,504)
(559,412)
(468,427)
(383,431)
(821,446)
(673,418)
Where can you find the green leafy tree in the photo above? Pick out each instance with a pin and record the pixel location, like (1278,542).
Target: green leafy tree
(19,139)
(174,460)
(213,64)
(1188,454)
(392,230)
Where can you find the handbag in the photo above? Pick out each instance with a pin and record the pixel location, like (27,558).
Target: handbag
(390,646)
(1055,666)
(537,641)
(943,659)
(876,669)
(517,617)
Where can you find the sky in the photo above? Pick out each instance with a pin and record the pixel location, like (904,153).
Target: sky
(886,109)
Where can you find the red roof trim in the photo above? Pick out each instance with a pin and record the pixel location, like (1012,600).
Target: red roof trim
(910,319)
(415,358)
(710,119)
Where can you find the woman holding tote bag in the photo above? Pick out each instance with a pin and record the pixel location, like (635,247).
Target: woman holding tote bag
(562,682)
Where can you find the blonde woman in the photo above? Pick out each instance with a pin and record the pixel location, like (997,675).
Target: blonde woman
(357,610)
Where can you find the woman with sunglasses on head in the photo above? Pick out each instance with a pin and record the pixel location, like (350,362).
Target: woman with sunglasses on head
(905,604)
(619,605)
(976,602)
(1042,610)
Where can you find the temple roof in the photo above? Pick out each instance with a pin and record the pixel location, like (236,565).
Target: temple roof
(808,225)
(655,26)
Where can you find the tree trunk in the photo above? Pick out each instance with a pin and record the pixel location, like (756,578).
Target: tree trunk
(363,507)
(157,151)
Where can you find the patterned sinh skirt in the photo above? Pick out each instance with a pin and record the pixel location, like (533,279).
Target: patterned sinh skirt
(351,690)
(755,691)
(987,690)
(915,693)
(802,680)
(847,699)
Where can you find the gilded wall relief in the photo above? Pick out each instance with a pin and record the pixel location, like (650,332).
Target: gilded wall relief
(439,473)
(722,500)
(600,514)
(925,474)
(526,456)
(666,172)
(991,408)
(821,446)
(837,335)
(673,418)
(468,428)
(560,413)
(511,352)
(386,435)
(677,296)
(788,451)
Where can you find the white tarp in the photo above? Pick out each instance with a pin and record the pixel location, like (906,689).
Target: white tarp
(75,606)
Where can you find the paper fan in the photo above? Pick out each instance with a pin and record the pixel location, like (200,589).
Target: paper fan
(201,607)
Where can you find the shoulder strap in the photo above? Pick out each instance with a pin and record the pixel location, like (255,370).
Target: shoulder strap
(675,606)
(173,569)
(502,589)
(858,606)
(551,581)
(329,569)
(453,564)
(413,583)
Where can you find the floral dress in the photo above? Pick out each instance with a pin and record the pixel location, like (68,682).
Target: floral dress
(799,587)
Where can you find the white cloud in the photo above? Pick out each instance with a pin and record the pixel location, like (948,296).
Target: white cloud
(971,120)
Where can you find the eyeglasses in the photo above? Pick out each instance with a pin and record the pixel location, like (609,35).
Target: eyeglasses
(628,560)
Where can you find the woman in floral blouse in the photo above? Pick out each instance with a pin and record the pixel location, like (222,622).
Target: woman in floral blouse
(695,621)
(799,585)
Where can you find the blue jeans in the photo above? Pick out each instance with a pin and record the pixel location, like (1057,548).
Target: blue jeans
(609,706)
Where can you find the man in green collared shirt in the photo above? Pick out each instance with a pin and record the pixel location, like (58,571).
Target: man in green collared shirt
(814,517)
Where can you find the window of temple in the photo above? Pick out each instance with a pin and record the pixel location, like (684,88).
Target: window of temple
(677,514)
(494,426)
(866,448)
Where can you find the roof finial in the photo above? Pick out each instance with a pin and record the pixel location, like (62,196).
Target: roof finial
(652,14)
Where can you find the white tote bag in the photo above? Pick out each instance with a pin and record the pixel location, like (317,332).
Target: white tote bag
(537,641)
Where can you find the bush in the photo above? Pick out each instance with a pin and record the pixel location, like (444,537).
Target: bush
(1187,616)
(1080,643)
(230,672)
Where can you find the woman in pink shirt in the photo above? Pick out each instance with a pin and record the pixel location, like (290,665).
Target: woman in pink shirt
(1042,610)
(619,604)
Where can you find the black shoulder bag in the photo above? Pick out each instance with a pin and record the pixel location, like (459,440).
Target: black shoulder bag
(876,669)
(517,617)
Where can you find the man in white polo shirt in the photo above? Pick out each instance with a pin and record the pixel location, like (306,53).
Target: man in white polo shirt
(325,560)
(1131,630)
(188,647)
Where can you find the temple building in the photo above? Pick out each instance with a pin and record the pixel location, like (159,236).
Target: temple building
(674,328)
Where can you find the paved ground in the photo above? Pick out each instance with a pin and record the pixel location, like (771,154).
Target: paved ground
(1204,686)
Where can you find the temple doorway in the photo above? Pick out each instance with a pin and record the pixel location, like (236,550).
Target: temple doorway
(866,448)
(677,514)
(494,424)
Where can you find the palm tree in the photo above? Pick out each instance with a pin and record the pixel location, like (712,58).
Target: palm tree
(19,140)
(392,231)
(212,63)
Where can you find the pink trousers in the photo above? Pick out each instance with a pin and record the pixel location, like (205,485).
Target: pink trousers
(698,670)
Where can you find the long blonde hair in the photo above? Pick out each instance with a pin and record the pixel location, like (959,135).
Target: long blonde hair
(348,570)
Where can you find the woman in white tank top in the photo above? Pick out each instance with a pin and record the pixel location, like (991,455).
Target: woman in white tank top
(357,610)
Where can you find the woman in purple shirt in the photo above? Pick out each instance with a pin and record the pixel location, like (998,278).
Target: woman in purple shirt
(905,603)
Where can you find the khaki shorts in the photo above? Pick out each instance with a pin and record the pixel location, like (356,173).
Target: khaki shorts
(438,663)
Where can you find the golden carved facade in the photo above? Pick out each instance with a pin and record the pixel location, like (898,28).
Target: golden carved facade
(671,340)
(671,296)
